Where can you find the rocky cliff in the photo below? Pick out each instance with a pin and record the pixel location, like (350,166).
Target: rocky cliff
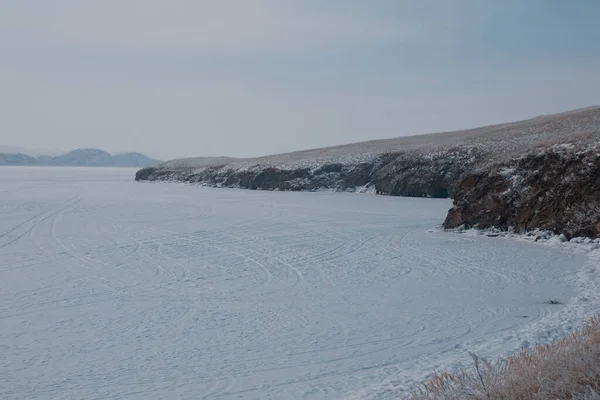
(537,173)
(554,188)
(397,174)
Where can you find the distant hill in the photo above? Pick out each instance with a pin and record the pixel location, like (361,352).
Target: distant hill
(81,158)
(17,159)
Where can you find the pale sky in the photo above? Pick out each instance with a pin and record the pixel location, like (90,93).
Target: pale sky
(179,78)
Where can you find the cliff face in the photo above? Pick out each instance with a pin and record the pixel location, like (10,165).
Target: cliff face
(426,175)
(397,174)
(541,173)
(556,188)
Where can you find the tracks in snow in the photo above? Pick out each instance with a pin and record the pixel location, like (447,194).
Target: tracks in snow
(146,291)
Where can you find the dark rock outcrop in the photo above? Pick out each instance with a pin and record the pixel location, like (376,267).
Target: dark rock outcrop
(556,188)
(541,173)
(436,176)
(396,174)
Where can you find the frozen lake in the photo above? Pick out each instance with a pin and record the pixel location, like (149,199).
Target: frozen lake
(115,289)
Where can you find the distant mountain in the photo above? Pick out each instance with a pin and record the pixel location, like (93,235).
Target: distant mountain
(81,158)
(17,159)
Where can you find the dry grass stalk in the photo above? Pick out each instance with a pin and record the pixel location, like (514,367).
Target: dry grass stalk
(566,369)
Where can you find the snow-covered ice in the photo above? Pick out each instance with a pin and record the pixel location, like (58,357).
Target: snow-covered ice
(115,289)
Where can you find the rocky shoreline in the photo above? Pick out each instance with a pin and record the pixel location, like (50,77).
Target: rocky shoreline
(542,173)
(395,174)
(556,189)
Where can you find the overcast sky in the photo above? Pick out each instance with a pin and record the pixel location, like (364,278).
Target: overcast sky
(176,78)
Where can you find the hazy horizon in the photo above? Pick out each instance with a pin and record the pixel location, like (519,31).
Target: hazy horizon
(242,79)
(57,152)
(52,152)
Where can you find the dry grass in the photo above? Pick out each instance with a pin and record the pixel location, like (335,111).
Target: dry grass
(502,141)
(567,369)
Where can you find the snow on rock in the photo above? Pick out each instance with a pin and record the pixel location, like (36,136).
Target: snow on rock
(556,188)
(418,166)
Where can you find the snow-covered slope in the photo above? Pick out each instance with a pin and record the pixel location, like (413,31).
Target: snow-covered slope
(425,165)
(115,290)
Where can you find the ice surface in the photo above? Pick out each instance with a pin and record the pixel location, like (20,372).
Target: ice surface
(116,289)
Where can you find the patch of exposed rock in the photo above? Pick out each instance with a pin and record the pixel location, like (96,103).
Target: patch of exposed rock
(397,174)
(555,188)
